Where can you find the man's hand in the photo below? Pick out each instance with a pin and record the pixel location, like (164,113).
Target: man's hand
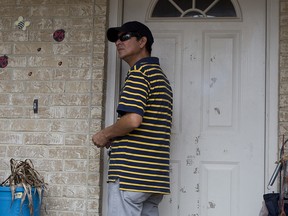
(123,126)
(101,140)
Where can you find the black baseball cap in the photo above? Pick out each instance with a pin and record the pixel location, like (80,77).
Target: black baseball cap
(132,26)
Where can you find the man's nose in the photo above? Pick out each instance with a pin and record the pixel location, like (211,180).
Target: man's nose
(118,41)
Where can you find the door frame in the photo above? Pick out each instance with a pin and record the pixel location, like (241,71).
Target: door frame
(271,109)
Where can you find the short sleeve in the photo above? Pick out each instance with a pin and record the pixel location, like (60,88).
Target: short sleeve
(134,95)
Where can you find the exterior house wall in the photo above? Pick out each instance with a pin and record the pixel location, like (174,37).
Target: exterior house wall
(283,81)
(68,80)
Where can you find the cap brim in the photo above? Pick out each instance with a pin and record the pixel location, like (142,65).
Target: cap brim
(112,34)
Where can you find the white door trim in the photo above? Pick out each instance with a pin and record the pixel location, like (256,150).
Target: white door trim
(272,71)
(271,139)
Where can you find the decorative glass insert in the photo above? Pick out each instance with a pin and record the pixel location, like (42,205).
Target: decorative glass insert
(194,9)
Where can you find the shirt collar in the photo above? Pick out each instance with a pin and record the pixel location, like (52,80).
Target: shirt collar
(147,60)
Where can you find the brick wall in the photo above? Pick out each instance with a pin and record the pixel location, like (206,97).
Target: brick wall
(67,78)
(283,91)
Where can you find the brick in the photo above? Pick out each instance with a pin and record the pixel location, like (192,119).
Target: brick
(72,49)
(75,191)
(72,24)
(54,191)
(75,126)
(53,2)
(63,213)
(69,99)
(6,74)
(5,124)
(97,85)
(93,213)
(41,35)
(44,87)
(76,139)
(283,88)
(31,125)
(50,112)
(12,10)
(99,48)
(8,86)
(72,74)
(93,205)
(78,112)
(98,74)
(94,166)
(49,165)
(283,101)
(42,23)
(283,20)
(43,139)
(17,61)
(55,152)
(66,204)
(33,48)
(96,112)
(97,99)
(67,178)
(100,10)
(5,99)
(284,7)
(50,11)
(10,138)
(94,179)
(94,152)
(14,36)
(283,115)
(94,192)
(283,128)
(48,61)
(284,33)
(283,76)
(26,152)
(75,165)
(96,125)
(79,62)
(6,48)
(12,112)
(98,61)
(84,36)
(4,165)
(81,10)
(75,153)
(78,87)
(33,74)
(3,151)
(8,2)
(27,99)
(284,61)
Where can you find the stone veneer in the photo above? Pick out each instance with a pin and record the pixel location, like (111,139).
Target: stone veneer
(68,80)
(283,64)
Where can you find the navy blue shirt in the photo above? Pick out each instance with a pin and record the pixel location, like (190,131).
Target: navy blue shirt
(140,159)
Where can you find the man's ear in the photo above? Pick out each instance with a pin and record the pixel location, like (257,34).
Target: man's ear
(143,41)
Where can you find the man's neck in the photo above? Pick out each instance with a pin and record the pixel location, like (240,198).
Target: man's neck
(131,62)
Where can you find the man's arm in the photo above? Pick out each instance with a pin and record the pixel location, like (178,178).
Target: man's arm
(124,125)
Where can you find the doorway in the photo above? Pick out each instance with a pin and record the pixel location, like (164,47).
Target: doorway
(217,69)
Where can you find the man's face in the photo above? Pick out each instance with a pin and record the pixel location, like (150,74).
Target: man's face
(128,46)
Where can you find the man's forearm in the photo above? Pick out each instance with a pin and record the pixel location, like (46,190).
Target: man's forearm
(123,126)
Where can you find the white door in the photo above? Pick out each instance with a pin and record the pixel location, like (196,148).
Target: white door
(217,70)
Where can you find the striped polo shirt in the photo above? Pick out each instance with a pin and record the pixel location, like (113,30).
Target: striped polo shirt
(140,159)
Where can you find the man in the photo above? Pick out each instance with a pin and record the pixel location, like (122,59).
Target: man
(138,173)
